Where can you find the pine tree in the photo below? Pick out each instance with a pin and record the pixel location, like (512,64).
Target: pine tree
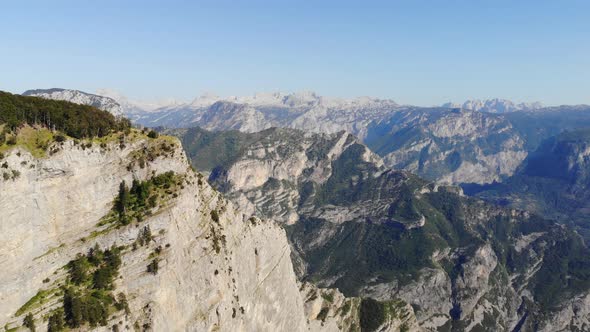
(56,322)
(122,202)
(29,322)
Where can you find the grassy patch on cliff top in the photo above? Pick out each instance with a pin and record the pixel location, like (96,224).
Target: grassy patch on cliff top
(34,140)
(39,140)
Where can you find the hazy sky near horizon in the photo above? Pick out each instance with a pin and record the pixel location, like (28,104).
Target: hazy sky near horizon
(414,51)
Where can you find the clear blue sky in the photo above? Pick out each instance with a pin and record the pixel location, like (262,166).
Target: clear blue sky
(415,52)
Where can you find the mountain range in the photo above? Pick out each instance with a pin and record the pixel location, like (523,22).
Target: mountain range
(342,218)
(448,145)
(372,232)
(553,181)
(116,231)
(495,105)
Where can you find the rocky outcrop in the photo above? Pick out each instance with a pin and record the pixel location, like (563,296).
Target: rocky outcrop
(575,316)
(227,273)
(449,146)
(266,174)
(376,233)
(553,180)
(329,310)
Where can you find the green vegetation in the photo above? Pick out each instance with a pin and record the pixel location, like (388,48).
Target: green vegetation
(208,150)
(565,272)
(137,202)
(88,295)
(153,266)
(537,126)
(145,236)
(97,267)
(161,146)
(122,303)
(382,249)
(215,151)
(346,308)
(36,301)
(81,308)
(374,313)
(214,216)
(323,314)
(33,139)
(29,322)
(152,134)
(122,202)
(360,251)
(340,189)
(329,297)
(35,124)
(553,181)
(218,240)
(74,120)
(385,243)
(56,321)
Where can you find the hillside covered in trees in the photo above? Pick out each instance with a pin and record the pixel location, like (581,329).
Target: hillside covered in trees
(79,121)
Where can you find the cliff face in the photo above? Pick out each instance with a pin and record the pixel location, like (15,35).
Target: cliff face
(553,181)
(227,274)
(190,261)
(372,232)
(456,146)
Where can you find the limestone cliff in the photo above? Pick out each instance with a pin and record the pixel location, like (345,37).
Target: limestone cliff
(189,262)
(226,274)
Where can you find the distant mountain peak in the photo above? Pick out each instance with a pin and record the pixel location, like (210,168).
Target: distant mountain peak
(300,99)
(495,105)
(205,99)
(79,97)
(130,105)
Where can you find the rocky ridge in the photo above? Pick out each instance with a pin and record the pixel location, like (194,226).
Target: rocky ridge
(552,181)
(372,232)
(495,105)
(451,147)
(455,144)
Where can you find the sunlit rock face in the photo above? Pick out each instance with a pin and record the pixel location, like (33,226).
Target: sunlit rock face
(228,274)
